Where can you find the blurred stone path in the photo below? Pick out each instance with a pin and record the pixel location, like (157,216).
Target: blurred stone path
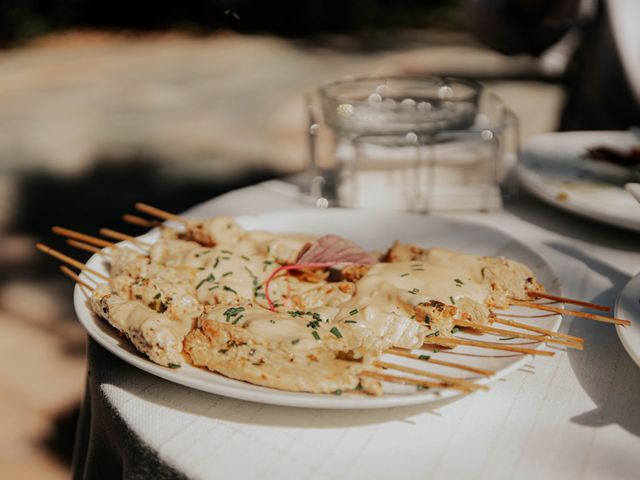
(204,108)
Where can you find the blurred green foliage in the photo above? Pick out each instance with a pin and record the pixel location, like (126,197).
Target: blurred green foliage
(21,20)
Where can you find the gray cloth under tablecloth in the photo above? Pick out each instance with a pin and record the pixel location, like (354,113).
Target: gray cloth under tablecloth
(105,447)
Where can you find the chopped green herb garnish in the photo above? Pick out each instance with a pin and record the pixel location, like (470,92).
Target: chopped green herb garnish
(338,392)
(173,365)
(200,268)
(315,335)
(453,302)
(229,289)
(215,265)
(226,251)
(427,319)
(158,295)
(295,341)
(237,319)
(458,282)
(226,274)
(425,357)
(336,332)
(421,387)
(414,291)
(434,334)
(436,350)
(232,312)
(404,274)
(244,257)
(353,312)
(214,287)
(507,338)
(350,321)
(210,278)
(296,313)
(226,258)
(455,330)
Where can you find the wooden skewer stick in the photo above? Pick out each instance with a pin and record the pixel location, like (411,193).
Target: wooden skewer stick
(74,276)
(515,315)
(65,232)
(573,301)
(68,260)
(512,333)
(454,382)
(533,328)
(84,246)
(406,380)
(156,212)
(107,232)
(428,358)
(452,342)
(574,313)
(139,221)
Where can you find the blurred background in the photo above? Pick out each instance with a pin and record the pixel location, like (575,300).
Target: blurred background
(103,104)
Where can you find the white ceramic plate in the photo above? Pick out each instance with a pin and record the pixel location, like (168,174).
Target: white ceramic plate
(628,306)
(375,230)
(552,168)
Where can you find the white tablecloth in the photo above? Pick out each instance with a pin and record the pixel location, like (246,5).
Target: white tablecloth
(574,415)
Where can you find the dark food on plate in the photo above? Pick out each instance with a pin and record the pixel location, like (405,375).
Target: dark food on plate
(625,158)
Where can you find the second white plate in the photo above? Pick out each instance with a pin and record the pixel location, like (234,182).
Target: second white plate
(553,169)
(628,306)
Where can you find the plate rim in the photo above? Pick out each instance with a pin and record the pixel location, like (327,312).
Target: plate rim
(266,395)
(621,330)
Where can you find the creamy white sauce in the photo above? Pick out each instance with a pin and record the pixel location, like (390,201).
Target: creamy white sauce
(383,306)
(416,282)
(289,331)
(225,232)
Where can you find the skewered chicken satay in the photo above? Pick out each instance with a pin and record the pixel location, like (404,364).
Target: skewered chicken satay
(164,290)
(184,273)
(224,275)
(123,260)
(276,350)
(393,331)
(407,334)
(506,278)
(152,333)
(161,288)
(401,304)
(225,231)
